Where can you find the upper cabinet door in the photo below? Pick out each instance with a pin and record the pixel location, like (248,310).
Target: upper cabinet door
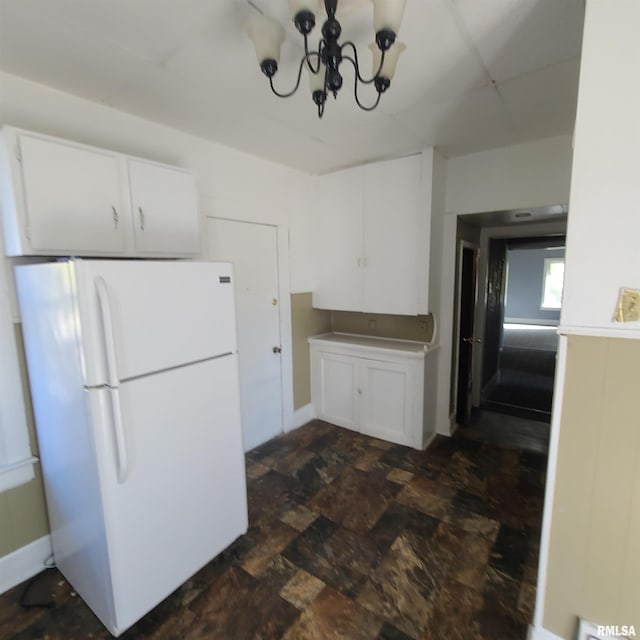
(393,210)
(165,210)
(338,230)
(72,198)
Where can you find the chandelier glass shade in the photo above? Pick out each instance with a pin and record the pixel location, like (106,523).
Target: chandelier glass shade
(323,63)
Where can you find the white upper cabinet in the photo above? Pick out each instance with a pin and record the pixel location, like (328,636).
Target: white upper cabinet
(64,198)
(372,236)
(338,235)
(165,209)
(72,197)
(393,212)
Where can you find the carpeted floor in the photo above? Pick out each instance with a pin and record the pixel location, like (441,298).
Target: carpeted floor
(350,538)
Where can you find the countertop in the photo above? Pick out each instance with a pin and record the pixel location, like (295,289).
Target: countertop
(408,346)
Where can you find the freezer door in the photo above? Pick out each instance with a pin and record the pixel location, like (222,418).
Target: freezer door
(148,316)
(184,497)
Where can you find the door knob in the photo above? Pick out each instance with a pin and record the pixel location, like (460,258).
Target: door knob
(277,349)
(467,340)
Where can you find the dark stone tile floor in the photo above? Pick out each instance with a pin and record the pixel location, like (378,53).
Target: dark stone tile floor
(350,538)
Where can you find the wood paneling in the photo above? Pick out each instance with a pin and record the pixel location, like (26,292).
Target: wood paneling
(595,530)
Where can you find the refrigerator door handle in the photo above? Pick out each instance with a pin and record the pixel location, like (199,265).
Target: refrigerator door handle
(118,431)
(112,375)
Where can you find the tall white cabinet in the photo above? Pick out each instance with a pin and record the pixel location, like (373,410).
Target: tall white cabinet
(379,387)
(372,236)
(338,237)
(64,198)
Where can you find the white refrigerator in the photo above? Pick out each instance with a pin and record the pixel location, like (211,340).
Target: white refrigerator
(133,369)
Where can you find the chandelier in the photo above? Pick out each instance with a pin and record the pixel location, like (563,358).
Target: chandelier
(324,63)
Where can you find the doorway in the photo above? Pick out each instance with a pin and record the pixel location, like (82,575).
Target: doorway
(253,250)
(522,315)
(486,231)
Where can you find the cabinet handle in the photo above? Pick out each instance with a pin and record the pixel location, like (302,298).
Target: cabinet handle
(115,217)
(141,218)
(360,391)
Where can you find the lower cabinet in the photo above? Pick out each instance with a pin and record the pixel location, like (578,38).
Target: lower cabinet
(374,386)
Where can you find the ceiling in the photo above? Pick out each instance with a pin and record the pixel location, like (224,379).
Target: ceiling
(476,74)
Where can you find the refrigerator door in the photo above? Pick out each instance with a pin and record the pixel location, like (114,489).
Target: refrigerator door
(148,316)
(184,497)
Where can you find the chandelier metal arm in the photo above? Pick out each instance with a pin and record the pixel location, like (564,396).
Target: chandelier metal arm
(300,66)
(356,65)
(355,88)
(309,54)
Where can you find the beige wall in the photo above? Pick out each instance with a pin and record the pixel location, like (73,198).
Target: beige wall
(305,321)
(23,514)
(383,326)
(594,548)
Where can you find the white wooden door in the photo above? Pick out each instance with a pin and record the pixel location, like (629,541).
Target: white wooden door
(72,197)
(253,249)
(337,394)
(338,233)
(391,236)
(386,401)
(164,206)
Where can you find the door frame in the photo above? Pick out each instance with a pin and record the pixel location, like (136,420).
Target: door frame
(284,307)
(462,246)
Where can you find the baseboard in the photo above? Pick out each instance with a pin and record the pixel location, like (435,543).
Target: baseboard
(21,564)
(430,438)
(540,633)
(302,415)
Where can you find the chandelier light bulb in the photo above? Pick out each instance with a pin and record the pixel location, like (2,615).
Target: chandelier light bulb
(387,15)
(267,35)
(390,59)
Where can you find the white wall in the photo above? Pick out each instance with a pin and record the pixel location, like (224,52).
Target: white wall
(532,174)
(302,243)
(603,243)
